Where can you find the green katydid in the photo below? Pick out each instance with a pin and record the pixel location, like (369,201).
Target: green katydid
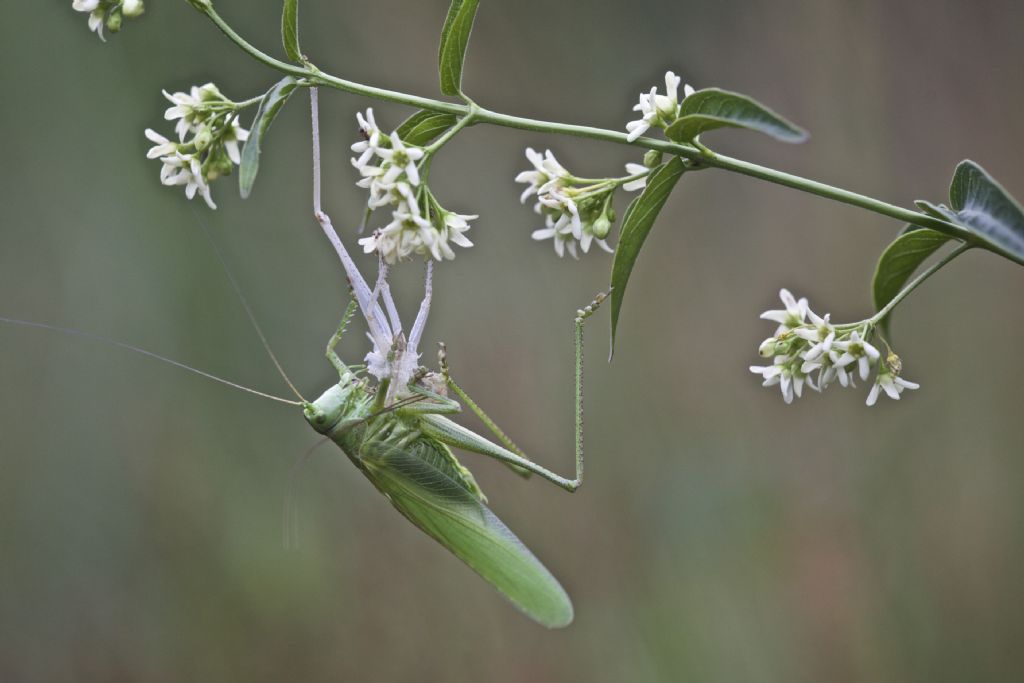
(398,435)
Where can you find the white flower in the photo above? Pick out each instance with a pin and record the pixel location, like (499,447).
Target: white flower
(163,146)
(546,174)
(641,182)
(785,372)
(367,147)
(402,159)
(453,227)
(562,206)
(822,335)
(410,233)
(892,384)
(789,318)
(190,108)
(234,134)
(185,169)
(562,236)
(859,350)
(658,110)
(96,14)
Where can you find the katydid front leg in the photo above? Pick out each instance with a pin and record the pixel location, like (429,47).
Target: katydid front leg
(332,355)
(457,436)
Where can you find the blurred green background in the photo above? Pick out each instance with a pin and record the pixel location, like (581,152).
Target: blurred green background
(721,536)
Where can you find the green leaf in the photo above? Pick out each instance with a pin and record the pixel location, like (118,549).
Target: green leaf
(449,511)
(424,126)
(454,39)
(942,212)
(712,108)
(986,209)
(636,225)
(290,30)
(899,261)
(268,110)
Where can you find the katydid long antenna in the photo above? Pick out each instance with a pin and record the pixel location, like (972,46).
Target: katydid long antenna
(122,345)
(245,305)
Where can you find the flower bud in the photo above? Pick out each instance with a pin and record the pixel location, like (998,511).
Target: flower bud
(221,166)
(767,347)
(652,158)
(132,8)
(601,226)
(667,107)
(210,92)
(114,21)
(203,138)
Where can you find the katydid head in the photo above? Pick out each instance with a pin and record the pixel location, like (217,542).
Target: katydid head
(326,412)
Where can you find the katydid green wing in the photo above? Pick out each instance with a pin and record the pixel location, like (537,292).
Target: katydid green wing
(449,512)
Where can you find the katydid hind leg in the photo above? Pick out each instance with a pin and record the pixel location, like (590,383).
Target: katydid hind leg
(442,358)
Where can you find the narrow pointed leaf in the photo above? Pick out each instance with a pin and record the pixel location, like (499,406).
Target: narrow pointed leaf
(900,260)
(454,39)
(942,212)
(986,209)
(268,110)
(450,513)
(712,108)
(290,30)
(636,225)
(425,126)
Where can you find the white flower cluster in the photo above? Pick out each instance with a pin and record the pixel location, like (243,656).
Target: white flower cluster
(658,111)
(805,343)
(575,211)
(208,129)
(419,225)
(108,13)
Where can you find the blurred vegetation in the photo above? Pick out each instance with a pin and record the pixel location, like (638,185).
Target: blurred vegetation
(721,536)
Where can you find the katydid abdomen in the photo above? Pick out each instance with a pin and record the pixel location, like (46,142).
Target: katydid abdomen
(425,482)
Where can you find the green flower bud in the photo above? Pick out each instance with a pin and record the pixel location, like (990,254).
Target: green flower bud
(601,227)
(652,158)
(114,20)
(203,138)
(223,164)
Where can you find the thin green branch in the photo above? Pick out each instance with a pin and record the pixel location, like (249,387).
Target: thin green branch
(913,284)
(481,115)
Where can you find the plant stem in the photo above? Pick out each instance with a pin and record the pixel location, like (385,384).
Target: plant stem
(934,268)
(481,115)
